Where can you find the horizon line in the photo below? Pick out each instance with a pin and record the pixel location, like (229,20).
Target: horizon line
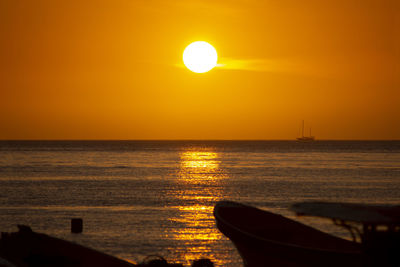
(197,140)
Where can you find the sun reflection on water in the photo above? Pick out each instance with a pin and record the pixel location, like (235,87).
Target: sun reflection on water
(199,161)
(199,183)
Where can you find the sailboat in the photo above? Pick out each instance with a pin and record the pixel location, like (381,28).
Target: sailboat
(305,138)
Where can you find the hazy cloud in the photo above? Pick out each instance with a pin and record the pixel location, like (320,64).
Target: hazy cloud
(262,65)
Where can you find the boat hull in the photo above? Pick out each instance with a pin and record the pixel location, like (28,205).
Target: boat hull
(306,139)
(266,239)
(28,248)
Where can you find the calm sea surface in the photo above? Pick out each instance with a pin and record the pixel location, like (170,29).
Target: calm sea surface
(140,198)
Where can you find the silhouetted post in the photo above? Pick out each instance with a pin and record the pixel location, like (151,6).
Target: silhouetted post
(76,225)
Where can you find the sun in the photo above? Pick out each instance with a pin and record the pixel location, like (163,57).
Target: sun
(200,57)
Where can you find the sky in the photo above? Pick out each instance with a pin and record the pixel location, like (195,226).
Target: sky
(113,69)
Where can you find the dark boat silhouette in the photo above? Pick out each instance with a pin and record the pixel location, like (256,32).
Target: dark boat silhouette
(267,239)
(27,248)
(305,138)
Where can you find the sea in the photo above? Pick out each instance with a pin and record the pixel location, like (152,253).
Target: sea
(143,198)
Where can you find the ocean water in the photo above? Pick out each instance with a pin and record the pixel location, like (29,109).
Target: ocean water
(140,198)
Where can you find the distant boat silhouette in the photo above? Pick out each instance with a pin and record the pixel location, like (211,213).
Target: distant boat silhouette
(305,138)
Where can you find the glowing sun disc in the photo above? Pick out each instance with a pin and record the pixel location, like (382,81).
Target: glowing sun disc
(200,57)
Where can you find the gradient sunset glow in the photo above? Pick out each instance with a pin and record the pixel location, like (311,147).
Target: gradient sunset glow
(114,70)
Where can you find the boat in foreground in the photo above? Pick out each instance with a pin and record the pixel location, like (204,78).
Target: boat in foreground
(27,248)
(267,239)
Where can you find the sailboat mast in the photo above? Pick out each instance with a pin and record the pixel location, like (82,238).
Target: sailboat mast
(305,138)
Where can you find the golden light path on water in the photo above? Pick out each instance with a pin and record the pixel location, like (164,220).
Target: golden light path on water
(200,174)
(199,162)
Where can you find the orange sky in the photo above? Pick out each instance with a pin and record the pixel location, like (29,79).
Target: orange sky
(113,69)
